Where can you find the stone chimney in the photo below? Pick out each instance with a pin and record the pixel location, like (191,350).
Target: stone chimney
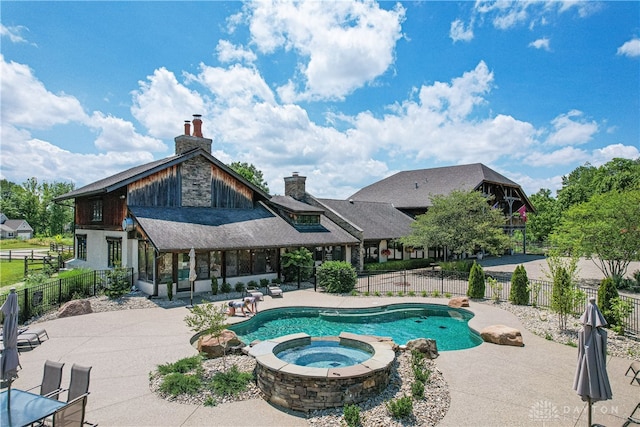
(294,186)
(188,142)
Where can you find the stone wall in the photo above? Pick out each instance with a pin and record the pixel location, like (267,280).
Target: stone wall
(196,182)
(305,393)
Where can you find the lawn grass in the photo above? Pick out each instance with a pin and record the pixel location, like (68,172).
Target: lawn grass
(11,272)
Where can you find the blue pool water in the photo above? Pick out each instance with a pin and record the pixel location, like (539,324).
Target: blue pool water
(402,322)
(324,354)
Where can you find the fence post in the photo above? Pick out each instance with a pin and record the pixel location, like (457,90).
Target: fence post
(404,276)
(26,304)
(26,266)
(441,281)
(9,256)
(59,292)
(95,280)
(369,283)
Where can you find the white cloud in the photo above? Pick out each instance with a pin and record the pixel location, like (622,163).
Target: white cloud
(600,156)
(563,156)
(116,134)
(161,104)
(26,101)
(543,43)
(458,32)
(228,52)
(571,129)
(630,48)
(341,45)
(14,33)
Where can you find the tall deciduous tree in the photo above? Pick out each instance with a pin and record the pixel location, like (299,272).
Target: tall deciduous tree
(606,229)
(251,174)
(546,217)
(462,221)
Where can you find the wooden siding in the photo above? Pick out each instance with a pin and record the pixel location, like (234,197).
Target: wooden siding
(228,192)
(114,209)
(160,189)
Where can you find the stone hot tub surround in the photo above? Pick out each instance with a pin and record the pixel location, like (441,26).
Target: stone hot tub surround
(304,388)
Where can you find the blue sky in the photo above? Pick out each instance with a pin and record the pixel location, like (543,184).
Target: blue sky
(345,93)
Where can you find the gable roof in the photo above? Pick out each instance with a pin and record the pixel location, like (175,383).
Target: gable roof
(293,205)
(413,189)
(136,173)
(16,224)
(177,229)
(377,220)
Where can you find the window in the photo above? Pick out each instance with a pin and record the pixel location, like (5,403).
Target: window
(96,210)
(114,251)
(262,259)
(202,265)
(396,250)
(165,268)
(215,264)
(81,244)
(145,261)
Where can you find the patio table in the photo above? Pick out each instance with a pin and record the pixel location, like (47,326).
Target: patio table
(26,408)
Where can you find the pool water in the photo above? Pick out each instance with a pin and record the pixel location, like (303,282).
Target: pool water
(324,354)
(402,322)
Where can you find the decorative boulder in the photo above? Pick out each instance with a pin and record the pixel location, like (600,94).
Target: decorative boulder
(424,345)
(457,302)
(75,308)
(215,347)
(502,335)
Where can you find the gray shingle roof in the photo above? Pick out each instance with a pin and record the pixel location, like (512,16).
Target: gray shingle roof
(377,220)
(207,228)
(412,189)
(293,205)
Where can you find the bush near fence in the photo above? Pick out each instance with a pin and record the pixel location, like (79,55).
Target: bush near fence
(45,297)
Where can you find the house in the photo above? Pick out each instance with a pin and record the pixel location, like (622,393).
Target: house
(411,192)
(150,216)
(14,228)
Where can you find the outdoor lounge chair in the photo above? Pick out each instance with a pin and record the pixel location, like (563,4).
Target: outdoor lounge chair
(275,291)
(51,379)
(255,293)
(36,333)
(635,370)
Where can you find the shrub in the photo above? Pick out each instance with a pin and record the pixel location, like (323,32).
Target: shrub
(182,366)
(496,289)
(214,285)
(118,283)
(476,282)
(276,281)
(519,294)
(435,293)
(607,292)
(264,283)
(337,277)
(407,264)
(564,295)
(239,287)
(169,291)
(231,382)
(417,389)
(463,266)
(352,415)
(297,265)
(252,284)
(401,407)
(621,310)
(225,288)
(177,383)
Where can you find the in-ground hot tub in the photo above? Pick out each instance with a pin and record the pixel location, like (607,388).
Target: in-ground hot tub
(304,373)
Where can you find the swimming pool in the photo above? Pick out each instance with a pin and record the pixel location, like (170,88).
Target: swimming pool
(402,322)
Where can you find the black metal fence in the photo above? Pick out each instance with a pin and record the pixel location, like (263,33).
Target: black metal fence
(39,299)
(434,283)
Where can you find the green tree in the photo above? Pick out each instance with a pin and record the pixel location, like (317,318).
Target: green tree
(565,295)
(519,293)
(337,276)
(543,222)
(476,282)
(606,229)
(462,221)
(208,319)
(251,174)
(297,265)
(607,292)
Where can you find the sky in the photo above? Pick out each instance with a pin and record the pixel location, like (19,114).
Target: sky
(345,93)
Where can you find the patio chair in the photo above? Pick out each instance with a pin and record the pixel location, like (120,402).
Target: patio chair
(51,379)
(79,383)
(635,370)
(275,291)
(71,414)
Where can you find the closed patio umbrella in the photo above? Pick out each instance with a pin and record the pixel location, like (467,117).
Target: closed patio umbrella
(192,272)
(591,380)
(10,361)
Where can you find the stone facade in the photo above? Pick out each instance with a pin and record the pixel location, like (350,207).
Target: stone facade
(196,183)
(186,143)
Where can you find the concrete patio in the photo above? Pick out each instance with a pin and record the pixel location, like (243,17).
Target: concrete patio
(490,385)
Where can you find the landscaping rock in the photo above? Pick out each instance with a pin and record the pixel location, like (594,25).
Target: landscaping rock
(424,345)
(216,348)
(75,308)
(502,335)
(457,302)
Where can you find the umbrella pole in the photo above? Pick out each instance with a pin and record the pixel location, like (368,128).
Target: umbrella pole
(589,415)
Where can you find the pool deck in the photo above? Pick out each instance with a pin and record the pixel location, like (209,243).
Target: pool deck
(490,385)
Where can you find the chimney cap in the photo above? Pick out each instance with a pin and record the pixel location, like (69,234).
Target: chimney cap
(197,116)
(295,174)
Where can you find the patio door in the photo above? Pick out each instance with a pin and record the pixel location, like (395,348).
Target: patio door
(183,272)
